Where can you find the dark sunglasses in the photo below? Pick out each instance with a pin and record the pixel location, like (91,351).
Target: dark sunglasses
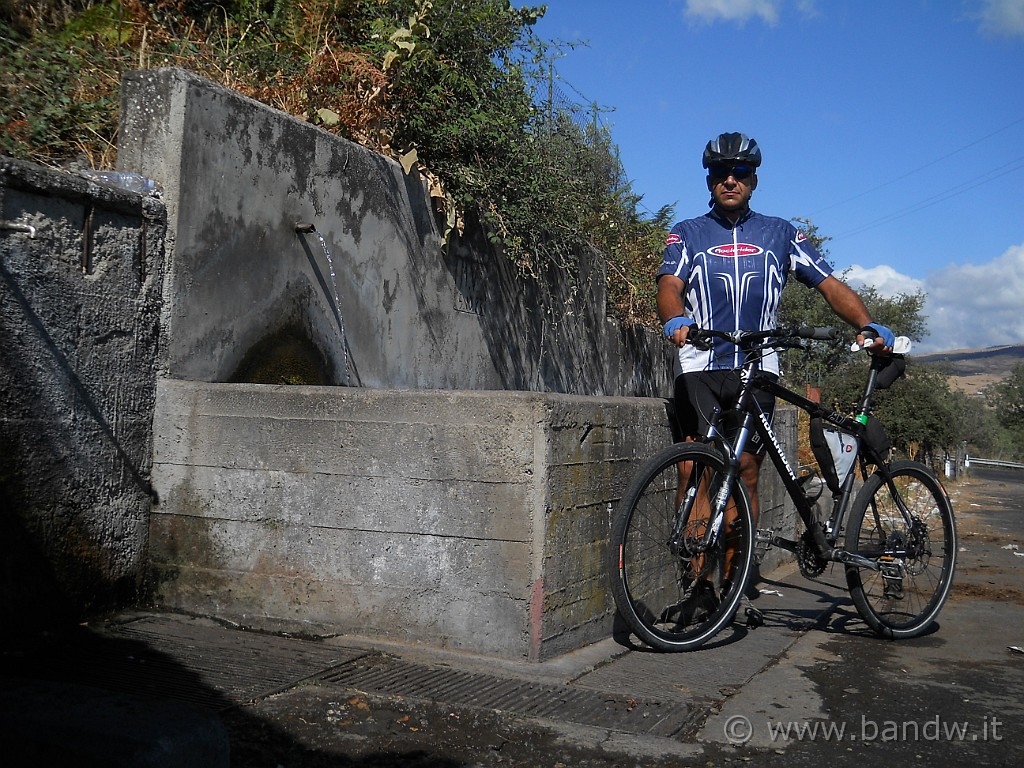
(738,172)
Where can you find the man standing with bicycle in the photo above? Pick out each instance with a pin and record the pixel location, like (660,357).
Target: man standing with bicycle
(725,271)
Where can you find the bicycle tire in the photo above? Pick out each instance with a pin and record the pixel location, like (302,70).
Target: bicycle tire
(903,599)
(650,584)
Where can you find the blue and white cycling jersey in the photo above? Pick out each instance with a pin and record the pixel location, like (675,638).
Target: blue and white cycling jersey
(734,277)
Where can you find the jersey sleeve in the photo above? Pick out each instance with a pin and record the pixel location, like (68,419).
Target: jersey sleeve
(808,265)
(675,260)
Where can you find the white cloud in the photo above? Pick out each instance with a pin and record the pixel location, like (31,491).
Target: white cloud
(733,10)
(967,306)
(886,280)
(976,305)
(1004,18)
(742,11)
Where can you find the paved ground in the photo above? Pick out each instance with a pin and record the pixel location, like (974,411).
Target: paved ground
(810,686)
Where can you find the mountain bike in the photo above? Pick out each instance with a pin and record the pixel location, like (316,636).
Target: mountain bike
(683,541)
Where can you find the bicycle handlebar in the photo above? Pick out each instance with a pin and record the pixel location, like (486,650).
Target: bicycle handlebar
(900,347)
(820,333)
(701,337)
(698,336)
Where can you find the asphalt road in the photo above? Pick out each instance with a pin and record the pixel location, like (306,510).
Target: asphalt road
(952,698)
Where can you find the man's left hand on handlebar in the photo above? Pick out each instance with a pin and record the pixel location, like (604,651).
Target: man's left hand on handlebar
(876,338)
(677,329)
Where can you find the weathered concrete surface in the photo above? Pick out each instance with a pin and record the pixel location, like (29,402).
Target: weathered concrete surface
(463,519)
(474,520)
(470,520)
(79,304)
(388,309)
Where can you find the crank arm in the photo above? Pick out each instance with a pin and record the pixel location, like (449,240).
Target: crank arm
(849,558)
(786,544)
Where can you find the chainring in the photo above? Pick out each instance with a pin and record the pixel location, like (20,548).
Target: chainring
(808,557)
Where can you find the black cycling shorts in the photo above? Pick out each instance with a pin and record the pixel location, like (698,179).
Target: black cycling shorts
(698,394)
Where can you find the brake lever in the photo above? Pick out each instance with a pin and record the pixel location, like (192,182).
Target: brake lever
(700,342)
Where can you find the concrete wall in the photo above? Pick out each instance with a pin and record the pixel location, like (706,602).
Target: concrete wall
(468,520)
(238,176)
(246,528)
(474,520)
(79,303)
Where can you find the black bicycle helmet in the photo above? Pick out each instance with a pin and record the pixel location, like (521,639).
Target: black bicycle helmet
(732,148)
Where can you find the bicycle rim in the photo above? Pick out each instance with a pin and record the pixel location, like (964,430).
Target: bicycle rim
(678,601)
(916,561)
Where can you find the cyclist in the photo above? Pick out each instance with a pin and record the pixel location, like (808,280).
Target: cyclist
(725,271)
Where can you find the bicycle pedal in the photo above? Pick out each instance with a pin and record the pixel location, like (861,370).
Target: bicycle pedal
(764,540)
(755,618)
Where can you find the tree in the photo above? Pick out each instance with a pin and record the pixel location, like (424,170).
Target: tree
(978,427)
(800,306)
(447,87)
(919,411)
(1007,399)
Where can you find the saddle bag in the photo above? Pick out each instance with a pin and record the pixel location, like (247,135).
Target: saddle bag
(835,451)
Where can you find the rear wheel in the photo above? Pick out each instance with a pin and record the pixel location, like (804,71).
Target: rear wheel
(673,591)
(909,530)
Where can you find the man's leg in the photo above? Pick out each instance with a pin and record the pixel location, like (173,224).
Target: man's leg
(750,469)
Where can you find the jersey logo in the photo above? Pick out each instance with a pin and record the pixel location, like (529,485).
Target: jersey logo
(735,251)
(800,236)
(673,239)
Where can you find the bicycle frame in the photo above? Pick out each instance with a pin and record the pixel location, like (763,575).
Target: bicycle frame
(755,421)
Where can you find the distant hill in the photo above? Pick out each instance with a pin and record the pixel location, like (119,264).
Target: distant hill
(971,370)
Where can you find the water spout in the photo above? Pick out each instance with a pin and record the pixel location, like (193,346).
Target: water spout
(307,228)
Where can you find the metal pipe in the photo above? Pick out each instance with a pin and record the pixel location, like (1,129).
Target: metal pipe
(16,227)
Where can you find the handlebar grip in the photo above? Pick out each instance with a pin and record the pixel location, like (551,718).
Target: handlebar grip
(817,333)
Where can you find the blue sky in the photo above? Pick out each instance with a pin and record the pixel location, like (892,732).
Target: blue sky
(896,127)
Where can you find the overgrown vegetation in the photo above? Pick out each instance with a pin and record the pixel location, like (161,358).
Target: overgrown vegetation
(445,87)
(1007,399)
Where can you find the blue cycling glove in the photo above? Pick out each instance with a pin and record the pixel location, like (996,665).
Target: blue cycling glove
(675,324)
(888,337)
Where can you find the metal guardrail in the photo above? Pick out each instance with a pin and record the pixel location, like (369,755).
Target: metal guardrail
(993,463)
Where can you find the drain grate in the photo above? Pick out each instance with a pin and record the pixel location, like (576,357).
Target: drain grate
(394,677)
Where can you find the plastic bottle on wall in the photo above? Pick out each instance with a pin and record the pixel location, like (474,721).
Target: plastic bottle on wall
(126,180)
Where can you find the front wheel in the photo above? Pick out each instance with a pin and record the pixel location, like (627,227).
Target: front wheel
(907,528)
(673,587)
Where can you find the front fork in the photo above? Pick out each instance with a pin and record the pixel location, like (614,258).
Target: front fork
(718,504)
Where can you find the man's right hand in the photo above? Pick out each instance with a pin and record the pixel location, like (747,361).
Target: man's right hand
(876,338)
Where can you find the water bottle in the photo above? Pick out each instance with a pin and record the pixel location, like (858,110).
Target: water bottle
(126,180)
